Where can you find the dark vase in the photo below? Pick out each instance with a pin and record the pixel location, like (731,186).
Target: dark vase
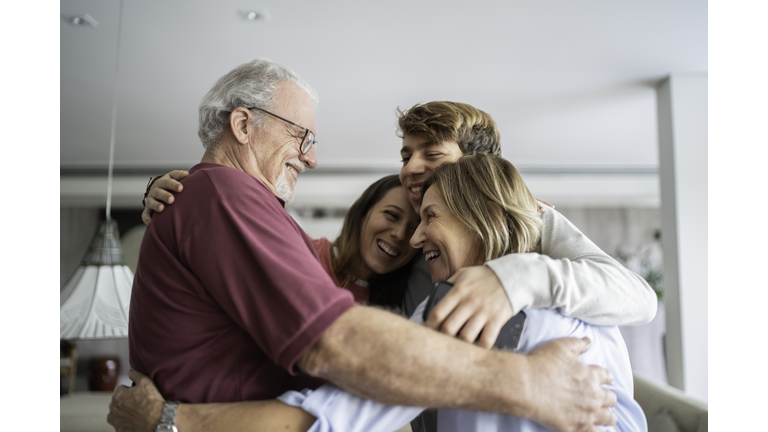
(103,374)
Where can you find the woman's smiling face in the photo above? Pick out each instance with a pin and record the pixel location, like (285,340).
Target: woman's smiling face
(384,241)
(447,243)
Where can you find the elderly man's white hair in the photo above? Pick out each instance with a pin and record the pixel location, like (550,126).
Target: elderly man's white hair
(251,84)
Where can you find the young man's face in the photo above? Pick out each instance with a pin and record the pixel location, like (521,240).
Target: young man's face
(420,158)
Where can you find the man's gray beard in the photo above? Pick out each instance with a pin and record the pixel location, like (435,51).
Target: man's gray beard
(284,189)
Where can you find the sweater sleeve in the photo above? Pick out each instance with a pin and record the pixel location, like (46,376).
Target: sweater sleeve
(575,277)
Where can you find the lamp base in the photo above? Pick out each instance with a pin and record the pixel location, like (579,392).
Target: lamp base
(103,373)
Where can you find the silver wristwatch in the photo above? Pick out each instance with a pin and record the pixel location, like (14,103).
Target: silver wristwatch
(168,418)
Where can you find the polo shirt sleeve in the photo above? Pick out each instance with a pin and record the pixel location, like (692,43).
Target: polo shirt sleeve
(257,264)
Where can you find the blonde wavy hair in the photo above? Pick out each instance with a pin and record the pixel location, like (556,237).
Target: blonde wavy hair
(488,195)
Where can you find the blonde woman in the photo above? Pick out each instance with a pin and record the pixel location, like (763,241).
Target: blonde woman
(476,210)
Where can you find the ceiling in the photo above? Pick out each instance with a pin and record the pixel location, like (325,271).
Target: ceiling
(571,85)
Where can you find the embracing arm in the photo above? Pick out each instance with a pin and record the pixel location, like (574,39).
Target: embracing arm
(573,275)
(383,357)
(380,356)
(138,409)
(160,193)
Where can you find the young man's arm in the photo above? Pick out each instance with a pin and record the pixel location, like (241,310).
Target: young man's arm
(584,282)
(160,192)
(571,274)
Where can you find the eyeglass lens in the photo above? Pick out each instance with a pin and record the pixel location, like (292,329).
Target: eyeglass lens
(309,140)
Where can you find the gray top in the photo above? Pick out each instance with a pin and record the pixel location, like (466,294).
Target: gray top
(419,285)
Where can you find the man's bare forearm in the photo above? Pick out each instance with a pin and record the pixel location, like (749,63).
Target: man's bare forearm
(383,357)
(253,416)
(138,409)
(386,358)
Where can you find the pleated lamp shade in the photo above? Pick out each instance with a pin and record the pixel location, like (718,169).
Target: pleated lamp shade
(94,302)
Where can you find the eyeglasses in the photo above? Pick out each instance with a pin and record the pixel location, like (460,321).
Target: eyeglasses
(309,137)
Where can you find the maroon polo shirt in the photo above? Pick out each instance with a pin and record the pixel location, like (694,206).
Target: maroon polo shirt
(228,293)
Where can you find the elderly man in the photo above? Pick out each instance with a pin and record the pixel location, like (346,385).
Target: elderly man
(230,302)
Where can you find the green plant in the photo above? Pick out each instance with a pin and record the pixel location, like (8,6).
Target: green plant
(652,274)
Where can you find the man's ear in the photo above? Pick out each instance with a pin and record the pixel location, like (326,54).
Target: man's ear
(238,122)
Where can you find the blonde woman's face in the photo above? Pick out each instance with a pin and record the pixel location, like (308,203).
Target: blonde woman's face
(384,241)
(447,243)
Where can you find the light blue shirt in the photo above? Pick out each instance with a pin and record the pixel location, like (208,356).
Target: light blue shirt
(337,410)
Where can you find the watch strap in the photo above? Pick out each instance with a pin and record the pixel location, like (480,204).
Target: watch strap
(168,418)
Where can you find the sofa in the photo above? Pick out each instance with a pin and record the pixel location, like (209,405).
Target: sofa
(669,409)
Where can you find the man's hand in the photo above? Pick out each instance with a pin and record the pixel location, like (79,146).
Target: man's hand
(136,409)
(161,193)
(565,394)
(476,305)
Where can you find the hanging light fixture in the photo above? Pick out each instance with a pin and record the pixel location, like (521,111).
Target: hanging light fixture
(94,302)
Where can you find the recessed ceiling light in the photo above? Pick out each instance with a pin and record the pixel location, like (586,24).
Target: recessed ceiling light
(255,15)
(84,20)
